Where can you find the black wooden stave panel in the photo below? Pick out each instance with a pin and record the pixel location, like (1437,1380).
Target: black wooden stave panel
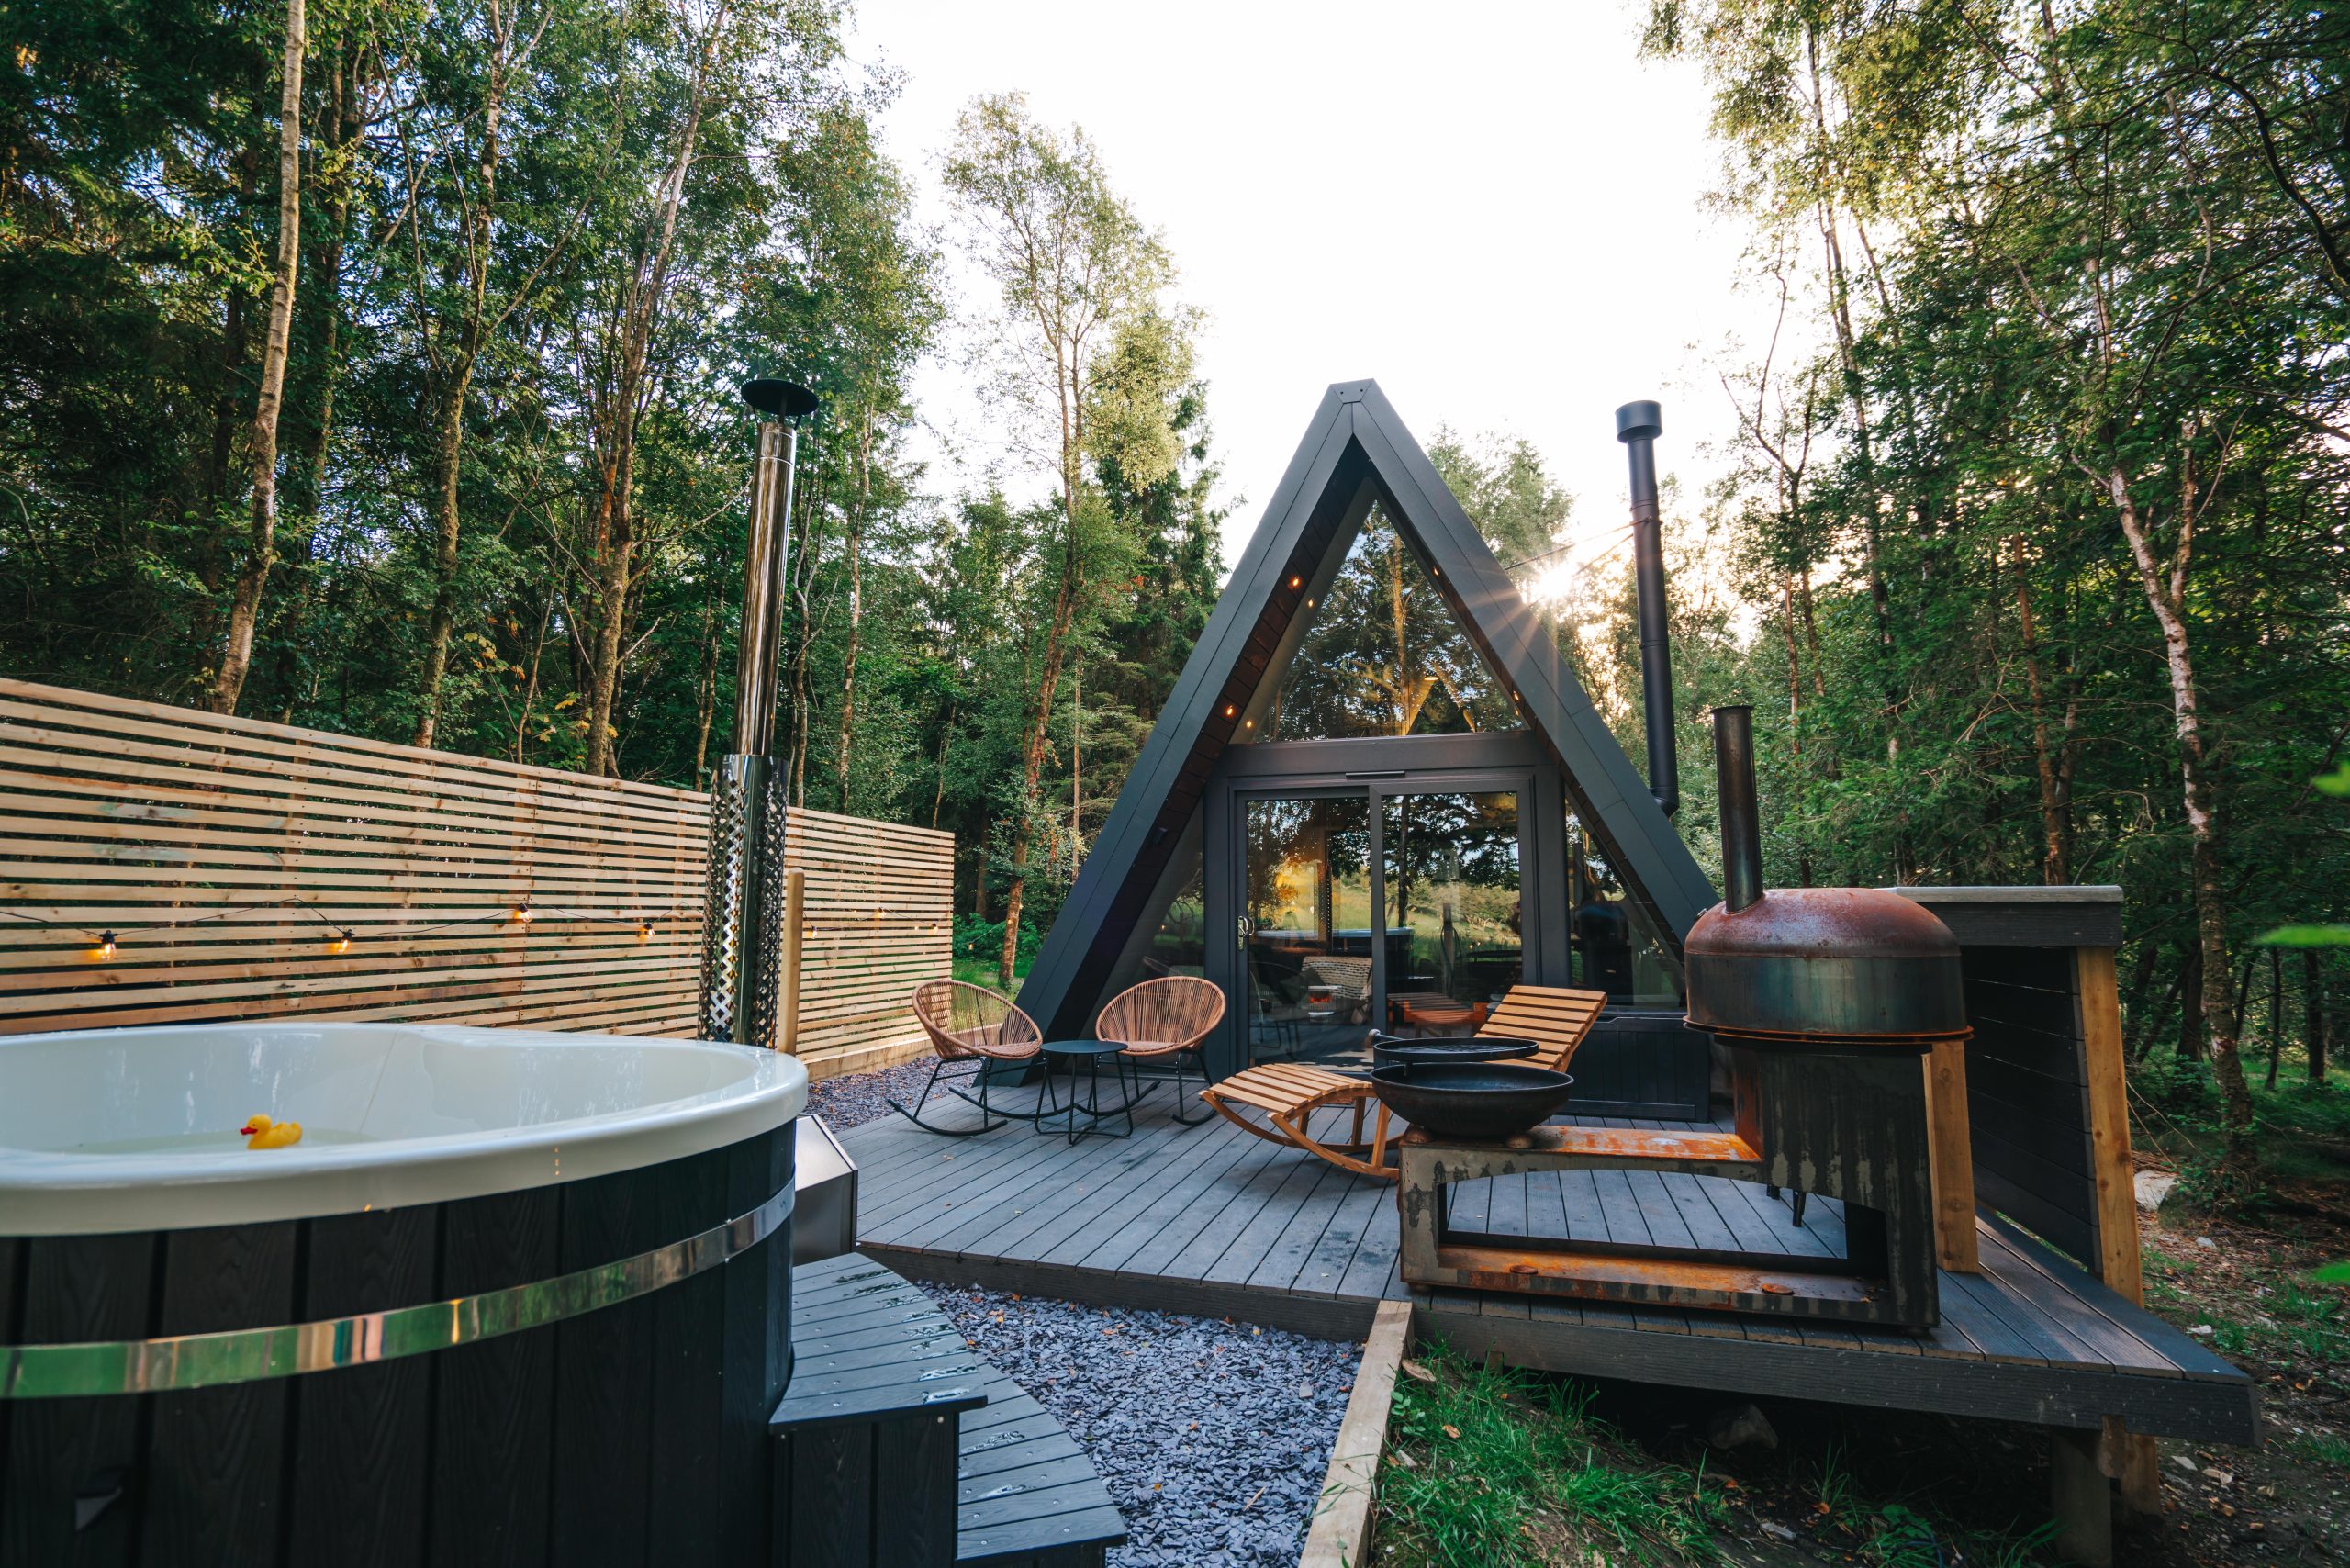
(490,1478)
(76,1287)
(356,1450)
(212,1487)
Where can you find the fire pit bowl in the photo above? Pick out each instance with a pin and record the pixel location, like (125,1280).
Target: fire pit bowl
(1473,1100)
(1391,1051)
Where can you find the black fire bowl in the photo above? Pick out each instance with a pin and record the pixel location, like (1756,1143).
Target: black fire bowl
(1473,1100)
(1391,1051)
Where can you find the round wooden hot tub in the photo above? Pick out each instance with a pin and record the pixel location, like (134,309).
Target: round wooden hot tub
(513,1297)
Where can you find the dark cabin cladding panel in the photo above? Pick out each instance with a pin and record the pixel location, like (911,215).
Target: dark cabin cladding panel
(1356,452)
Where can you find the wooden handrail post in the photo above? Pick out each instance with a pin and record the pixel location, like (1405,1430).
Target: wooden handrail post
(795,905)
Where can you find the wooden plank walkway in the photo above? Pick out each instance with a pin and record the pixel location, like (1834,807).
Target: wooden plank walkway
(865,1342)
(1209,1220)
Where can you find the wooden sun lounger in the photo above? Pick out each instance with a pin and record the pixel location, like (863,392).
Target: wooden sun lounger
(1288,1093)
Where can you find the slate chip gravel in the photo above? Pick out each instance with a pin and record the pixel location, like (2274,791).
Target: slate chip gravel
(853,1100)
(1212,1436)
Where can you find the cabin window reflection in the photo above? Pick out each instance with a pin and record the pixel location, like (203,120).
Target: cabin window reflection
(1382,655)
(1612,941)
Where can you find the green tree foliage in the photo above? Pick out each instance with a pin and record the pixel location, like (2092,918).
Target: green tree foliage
(540,243)
(2047,535)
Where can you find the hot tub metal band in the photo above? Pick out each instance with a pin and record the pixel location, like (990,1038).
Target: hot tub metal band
(288,1350)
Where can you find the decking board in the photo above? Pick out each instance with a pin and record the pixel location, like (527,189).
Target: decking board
(1208,1219)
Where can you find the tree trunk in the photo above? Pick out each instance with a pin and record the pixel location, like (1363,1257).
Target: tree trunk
(244,607)
(447,453)
(855,600)
(2202,815)
(2053,870)
(2190,1006)
(1031,753)
(623,406)
(2276,1012)
(706,684)
(2315,1019)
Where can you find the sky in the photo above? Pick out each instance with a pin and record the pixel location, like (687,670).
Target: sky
(1495,210)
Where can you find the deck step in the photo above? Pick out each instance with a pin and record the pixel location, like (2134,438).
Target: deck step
(877,1369)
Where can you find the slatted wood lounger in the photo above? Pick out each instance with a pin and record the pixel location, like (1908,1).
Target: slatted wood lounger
(1288,1093)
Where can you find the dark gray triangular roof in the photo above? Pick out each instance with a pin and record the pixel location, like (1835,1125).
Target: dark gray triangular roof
(1357,451)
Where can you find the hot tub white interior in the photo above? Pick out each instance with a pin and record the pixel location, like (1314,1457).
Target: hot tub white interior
(136,1129)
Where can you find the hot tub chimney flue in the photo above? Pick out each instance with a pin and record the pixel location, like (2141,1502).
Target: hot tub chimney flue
(1637,426)
(742,907)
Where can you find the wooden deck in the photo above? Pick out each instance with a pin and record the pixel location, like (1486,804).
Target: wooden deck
(1209,1220)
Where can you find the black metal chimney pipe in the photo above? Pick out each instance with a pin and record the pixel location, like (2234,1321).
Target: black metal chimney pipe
(1637,426)
(742,909)
(1741,824)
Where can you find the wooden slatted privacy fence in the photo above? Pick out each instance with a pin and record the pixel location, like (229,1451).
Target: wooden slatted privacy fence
(249,870)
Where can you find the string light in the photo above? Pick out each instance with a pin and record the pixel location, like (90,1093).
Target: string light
(106,943)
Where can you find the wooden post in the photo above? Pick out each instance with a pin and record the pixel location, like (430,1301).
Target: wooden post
(1952,1159)
(786,1006)
(2128,1457)
(2081,1498)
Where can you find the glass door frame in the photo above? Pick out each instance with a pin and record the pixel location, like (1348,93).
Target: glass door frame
(1374,770)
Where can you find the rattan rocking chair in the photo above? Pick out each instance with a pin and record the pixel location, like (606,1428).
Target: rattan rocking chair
(970,1022)
(1166,1017)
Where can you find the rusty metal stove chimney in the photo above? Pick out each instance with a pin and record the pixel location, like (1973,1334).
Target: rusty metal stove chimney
(1741,823)
(1637,426)
(742,909)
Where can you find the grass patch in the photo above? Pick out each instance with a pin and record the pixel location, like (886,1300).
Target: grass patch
(2327,1453)
(1490,1467)
(2277,1313)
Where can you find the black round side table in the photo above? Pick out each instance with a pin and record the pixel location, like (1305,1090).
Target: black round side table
(1086,1056)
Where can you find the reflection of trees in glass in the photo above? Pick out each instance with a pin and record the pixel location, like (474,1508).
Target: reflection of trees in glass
(1384,657)
(1300,852)
(1452,877)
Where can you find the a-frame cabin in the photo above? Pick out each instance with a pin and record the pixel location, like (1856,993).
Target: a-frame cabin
(1376,796)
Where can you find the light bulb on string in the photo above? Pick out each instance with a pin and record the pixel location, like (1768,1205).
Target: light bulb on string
(522,914)
(338,943)
(105,948)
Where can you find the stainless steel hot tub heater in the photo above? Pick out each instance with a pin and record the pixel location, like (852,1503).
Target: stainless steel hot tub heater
(743,913)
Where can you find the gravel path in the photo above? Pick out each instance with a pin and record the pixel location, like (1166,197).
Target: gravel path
(857,1098)
(1212,1436)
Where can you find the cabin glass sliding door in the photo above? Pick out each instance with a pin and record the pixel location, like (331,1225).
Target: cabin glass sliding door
(1306,927)
(1454,922)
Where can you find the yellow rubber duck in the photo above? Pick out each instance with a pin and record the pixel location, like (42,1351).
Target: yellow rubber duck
(260,1132)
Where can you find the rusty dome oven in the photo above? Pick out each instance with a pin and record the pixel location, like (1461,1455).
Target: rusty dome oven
(1812,966)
